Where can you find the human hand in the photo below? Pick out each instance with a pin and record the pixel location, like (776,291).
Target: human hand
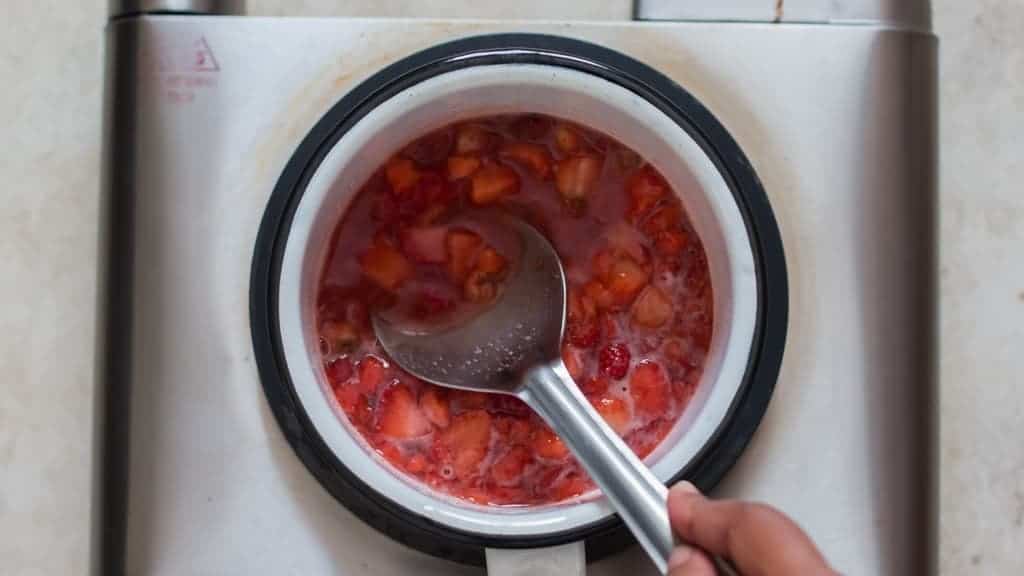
(757,539)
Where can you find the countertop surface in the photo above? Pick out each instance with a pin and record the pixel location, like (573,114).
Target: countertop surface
(51,73)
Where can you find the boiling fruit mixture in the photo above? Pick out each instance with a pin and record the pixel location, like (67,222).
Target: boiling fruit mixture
(640,301)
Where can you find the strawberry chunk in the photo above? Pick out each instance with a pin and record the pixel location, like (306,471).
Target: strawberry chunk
(462,166)
(547,445)
(668,216)
(615,412)
(338,371)
(463,445)
(671,243)
(567,140)
(571,486)
(401,174)
(385,266)
(575,177)
(652,308)
(373,373)
(398,415)
(508,469)
(599,294)
(513,430)
(491,262)
(625,279)
(613,361)
(596,386)
(462,247)
(645,187)
(492,183)
(533,157)
(649,388)
(425,244)
(584,334)
(434,405)
(473,139)
(416,463)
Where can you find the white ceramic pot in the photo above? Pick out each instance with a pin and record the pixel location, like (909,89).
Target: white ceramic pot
(498,86)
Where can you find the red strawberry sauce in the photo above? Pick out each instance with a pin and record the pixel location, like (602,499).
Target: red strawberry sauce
(640,302)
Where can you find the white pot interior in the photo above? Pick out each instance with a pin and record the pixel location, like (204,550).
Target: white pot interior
(496,89)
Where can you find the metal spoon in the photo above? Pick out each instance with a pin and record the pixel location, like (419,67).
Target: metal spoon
(514,348)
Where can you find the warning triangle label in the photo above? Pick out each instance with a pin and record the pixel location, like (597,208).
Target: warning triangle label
(203,59)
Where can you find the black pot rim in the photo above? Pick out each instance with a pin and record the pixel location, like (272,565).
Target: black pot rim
(705,470)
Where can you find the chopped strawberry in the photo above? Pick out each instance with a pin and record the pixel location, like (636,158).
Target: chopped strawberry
(462,247)
(398,415)
(581,306)
(602,264)
(385,266)
(416,463)
(649,387)
(425,244)
(615,412)
(573,364)
(613,361)
(338,371)
(583,334)
(533,157)
(473,139)
(480,287)
(576,176)
(492,183)
(625,280)
(599,294)
(434,405)
(646,187)
(652,308)
(373,373)
(669,216)
(570,487)
(432,149)
(391,453)
(431,214)
(595,386)
(508,469)
(401,174)
(671,243)
(355,405)
(513,430)
(463,445)
(644,440)
(547,445)
(428,305)
(491,262)
(567,140)
(462,166)
(624,239)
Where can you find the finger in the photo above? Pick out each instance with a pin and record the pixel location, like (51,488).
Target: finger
(688,561)
(758,539)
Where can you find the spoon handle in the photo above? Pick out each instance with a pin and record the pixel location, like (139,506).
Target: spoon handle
(637,496)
